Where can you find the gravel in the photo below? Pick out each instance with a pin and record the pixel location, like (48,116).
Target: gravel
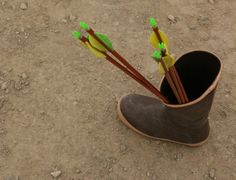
(212,173)
(24,6)
(171,18)
(56,173)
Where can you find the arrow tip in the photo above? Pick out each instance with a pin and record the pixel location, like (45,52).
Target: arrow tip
(76,34)
(153,22)
(157,55)
(84,26)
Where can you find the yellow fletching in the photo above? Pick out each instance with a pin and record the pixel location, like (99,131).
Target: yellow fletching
(96,44)
(95,52)
(83,44)
(169,61)
(154,40)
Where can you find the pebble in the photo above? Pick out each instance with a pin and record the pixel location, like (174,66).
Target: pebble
(23,6)
(56,174)
(24,76)
(148,174)
(171,18)
(64,20)
(4,86)
(110,170)
(78,171)
(212,173)
(72,18)
(125,169)
(211,1)
(123,148)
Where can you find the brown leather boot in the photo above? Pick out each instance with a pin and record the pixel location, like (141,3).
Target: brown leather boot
(184,124)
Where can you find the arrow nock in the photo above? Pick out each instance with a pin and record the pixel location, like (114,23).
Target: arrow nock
(76,34)
(156,56)
(153,23)
(84,26)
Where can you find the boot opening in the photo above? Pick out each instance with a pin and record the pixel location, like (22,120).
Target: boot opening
(197,71)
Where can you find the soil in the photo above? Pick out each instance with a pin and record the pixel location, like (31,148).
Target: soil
(58,102)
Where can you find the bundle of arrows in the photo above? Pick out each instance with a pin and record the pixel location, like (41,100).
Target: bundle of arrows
(102,47)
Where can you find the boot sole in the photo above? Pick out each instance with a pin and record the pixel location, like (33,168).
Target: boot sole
(123,119)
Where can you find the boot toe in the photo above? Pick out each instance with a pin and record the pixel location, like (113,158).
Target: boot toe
(136,111)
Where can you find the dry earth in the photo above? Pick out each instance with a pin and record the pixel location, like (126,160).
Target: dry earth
(58,102)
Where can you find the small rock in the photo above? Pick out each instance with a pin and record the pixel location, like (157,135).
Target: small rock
(72,18)
(56,174)
(64,20)
(148,174)
(56,31)
(94,21)
(24,76)
(125,169)
(4,86)
(171,18)
(123,148)
(78,171)
(211,1)
(178,156)
(20,110)
(23,6)
(110,170)
(212,173)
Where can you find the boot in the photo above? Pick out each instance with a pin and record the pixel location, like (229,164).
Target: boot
(186,123)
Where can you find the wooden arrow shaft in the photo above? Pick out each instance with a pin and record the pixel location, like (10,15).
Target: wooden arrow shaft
(170,81)
(123,61)
(173,74)
(129,73)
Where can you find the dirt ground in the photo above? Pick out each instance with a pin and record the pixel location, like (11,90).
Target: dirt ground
(58,102)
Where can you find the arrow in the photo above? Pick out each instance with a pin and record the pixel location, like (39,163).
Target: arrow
(158,58)
(91,32)
(168,60)
(100,53)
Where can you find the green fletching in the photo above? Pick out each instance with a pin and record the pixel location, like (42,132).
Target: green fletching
(162,46)
(153,22)
(84,26)
(76,34)
(105,40)
(157,55)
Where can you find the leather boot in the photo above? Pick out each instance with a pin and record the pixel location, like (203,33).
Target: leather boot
(180,123)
